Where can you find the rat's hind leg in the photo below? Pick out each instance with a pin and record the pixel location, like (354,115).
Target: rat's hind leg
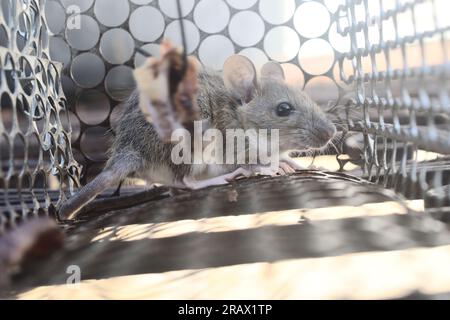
(111,175)
(85,195)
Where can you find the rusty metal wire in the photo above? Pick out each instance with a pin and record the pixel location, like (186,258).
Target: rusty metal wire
(37,164)
(398,72)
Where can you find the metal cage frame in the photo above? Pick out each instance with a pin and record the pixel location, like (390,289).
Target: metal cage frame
(37,164)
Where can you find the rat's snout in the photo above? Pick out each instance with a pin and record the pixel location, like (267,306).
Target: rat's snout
(329,132)
(326,135)
(323,133)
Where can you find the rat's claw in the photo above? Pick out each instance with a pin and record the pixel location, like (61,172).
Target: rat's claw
(238,173)
(267,171)
(292,163)
(193,184)
(286,168)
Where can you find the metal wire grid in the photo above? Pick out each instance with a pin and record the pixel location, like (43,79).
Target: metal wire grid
(405,104)
(24,28)
(36,156)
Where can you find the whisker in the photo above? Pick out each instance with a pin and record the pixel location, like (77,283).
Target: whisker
(334,146)
(312,162)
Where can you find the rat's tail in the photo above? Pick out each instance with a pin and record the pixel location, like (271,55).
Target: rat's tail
(110,176)
(72,206)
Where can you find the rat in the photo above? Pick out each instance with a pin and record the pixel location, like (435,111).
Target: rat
(236,98)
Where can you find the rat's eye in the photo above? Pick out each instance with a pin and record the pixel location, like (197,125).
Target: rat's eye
(284,109)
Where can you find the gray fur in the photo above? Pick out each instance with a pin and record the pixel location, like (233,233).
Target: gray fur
(137,142)
(137,148)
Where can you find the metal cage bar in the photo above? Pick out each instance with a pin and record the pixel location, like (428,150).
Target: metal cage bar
(401,89)
(36,160)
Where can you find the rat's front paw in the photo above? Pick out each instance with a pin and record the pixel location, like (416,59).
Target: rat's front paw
(285,167)
(240,172)
(281,170)
(193,184)
(294,165)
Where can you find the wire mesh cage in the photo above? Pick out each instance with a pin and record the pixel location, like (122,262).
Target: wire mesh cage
(397,68)
(378,67)
(37,164)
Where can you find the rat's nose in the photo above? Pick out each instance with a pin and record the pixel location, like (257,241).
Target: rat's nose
(325,134)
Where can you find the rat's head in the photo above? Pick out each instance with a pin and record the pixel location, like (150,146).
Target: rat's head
(271,103)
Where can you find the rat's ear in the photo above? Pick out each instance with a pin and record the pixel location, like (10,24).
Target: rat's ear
(272,70)
(239,76)
(195,62)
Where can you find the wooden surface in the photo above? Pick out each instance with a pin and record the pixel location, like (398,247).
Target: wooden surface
(310,235)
